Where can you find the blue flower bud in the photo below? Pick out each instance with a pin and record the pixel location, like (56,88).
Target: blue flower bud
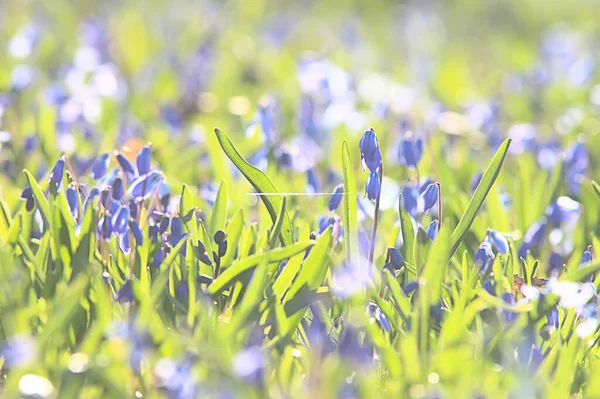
(370,154)
(430,197)
(336,197)
(73,201)
(125,165)
(143,159)
(534,237)
(498,241)
(94,192)
(120,220)
(413,202)
(410,151)
(375,312)
(124,243)
(100,166)
(137,233)
(144,186)
(56,175)
(373,186)
(118,190)
(587,256)
(396,258)
(483,256)
(313,181)
(433,229)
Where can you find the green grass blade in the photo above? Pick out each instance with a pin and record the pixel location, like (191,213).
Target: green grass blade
(40,199)
(488,179)
(350,221)
(275,255)
(261,183)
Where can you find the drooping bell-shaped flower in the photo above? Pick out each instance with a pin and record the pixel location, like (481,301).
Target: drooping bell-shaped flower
(373,186)
(336,197)
(370,153)
(410,151)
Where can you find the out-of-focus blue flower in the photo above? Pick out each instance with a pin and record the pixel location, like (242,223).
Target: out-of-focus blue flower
(410,151)
(27,196)
(576,163)
(564,212)
(373,186)
(336,197)
(483,257)
(475,180)
(430,196)
(126,166)
(177,233)
(433,229)
(363,243)
(533,238)
(552,318)
(498,241)
(94,192)
(488,285)
(100,166)
(370,153)
(378,316)
(412,201)
(56,175)
(248,364)
(144,186)
(125,293)
(555,263)
(351,279)
(73,201)
(313,185)
(18,351)
(351,347)
(509,299)
(21,77)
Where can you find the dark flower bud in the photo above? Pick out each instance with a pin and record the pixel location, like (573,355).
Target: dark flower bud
(163,226)
(395,258)
(27,196)
(336,197)
(219,236)
(125,165)
(137,232)
(222,248)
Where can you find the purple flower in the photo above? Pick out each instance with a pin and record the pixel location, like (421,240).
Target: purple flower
(430,196)
(145,186)
(534,237)
(143,160)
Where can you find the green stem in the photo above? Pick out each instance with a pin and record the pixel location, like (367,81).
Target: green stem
(375,223)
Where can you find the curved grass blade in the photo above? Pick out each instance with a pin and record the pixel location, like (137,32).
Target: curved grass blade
(488,179)
(596,188)
(276,230)
(260,182)
(230,274)
(350,220)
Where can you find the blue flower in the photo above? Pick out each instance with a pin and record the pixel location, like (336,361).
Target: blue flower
(100,166)
(587,256)
(412,201)
(498,241)
(433,229)
(534,237)
(375,312)
(145,186)
(118,190)
(370,153)
(373,186)
(143,160)
(313,185)
(73,201)
(56,175)
(410,151)
(396,259)
(430,196)
(336,197)
(555,263)
(483,256)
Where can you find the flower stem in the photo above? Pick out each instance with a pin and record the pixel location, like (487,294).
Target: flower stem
(439,186)
(375,222)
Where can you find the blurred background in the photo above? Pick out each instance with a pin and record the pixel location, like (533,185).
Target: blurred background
(290,80)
